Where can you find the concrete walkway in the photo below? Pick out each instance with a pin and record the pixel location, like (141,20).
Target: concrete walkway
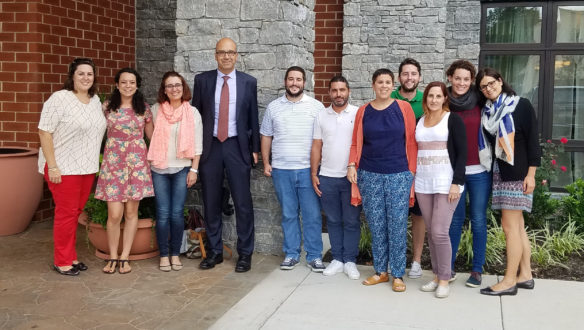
(301,299)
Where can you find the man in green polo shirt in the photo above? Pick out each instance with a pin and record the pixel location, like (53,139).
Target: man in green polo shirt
(409,76)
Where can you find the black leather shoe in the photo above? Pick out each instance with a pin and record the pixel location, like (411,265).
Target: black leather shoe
(507,292)
(529,284)
(71,272)
(243,263)
(211,260)
(80,266)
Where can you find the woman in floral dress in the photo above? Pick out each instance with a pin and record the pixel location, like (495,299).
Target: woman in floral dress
(124,177)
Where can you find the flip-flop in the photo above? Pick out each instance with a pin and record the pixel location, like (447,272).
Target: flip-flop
(112,264)
(165,268)
(176,266)
(122,264)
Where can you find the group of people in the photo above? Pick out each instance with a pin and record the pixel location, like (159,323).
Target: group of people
(404,152)
(213,129)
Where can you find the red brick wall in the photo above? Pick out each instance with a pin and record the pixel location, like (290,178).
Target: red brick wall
(38,39)
(328,46)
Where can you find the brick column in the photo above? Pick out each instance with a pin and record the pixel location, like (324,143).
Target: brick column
(328,45)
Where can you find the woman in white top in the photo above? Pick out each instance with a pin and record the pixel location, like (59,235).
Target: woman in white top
(441,138)
(71,129)
(175,148)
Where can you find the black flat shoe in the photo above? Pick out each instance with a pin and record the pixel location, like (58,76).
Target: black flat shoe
(243,264)
(71,272)
(529,284)
(507,292)
(81,266)
(211,260)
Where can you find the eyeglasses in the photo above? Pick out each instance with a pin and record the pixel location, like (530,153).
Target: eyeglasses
(229,53)
(489,85)
(177,86)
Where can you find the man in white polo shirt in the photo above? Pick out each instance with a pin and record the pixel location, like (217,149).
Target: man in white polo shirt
(333,130)
(287,133)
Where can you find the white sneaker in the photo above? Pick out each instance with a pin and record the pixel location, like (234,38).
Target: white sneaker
(352,271)
(442,291)
(429,287)
(333,268)
(416,270)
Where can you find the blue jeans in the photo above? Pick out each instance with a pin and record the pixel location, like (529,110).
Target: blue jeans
(478,187)
(342,218)
(295,193)
(170,192)
(386,204)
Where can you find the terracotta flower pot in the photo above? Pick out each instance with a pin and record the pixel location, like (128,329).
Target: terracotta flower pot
(21,188)
(143,247)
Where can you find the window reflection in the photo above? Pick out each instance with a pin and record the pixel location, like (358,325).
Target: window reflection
(520,71)
(513,25)
(574,163)
(570,24)
(568,106)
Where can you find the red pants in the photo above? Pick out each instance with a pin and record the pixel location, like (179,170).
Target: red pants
(70,197)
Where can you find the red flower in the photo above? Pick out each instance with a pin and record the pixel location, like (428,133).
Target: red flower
(549,141)
(544,182)
(563,168)
(553,162)
(564,140)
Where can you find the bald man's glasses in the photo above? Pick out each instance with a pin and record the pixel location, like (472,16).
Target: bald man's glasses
(222,53)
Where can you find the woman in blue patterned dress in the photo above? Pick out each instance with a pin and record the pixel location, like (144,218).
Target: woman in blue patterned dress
(124,177)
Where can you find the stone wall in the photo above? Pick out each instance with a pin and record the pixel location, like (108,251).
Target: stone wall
(271,35)
(381,33)
(463,29)
(155,42)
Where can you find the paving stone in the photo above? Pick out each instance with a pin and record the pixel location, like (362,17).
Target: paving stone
(32,295)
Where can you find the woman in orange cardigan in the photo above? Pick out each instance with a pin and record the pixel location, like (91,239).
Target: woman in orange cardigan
(382,164)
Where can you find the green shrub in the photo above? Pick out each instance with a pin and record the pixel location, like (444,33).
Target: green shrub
(97,210)
(545,209)
(573,204)
(495,244)
(549,248)
(365,241)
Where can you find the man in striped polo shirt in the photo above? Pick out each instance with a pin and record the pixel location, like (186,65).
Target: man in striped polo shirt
(286,133)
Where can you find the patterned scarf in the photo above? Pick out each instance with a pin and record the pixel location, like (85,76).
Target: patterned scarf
(167,117)
(497,119)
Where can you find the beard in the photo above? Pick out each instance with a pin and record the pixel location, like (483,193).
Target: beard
(341,103)
(300,91)
(409,90)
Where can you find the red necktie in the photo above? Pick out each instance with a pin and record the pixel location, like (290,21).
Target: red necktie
(223,122)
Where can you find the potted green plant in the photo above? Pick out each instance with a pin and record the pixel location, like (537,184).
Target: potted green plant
(94,218)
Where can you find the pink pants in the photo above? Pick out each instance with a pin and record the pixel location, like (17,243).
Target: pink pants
(437,213)
(70,197)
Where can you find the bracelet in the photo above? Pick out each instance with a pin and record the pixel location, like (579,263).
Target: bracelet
(352,165)
(194,170)
(53,168)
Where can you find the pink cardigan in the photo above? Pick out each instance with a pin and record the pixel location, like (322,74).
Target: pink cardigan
(411,145)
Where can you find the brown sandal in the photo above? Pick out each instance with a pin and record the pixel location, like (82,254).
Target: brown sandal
(376,279)
(111,265)
(398,285)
